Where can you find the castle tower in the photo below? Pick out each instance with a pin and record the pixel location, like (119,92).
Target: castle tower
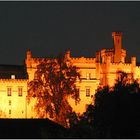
(67,54)
(28,58)
(97,65)
(28,54)
(108,62)
(117,38)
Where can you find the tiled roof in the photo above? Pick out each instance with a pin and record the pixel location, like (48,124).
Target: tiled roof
(18,70)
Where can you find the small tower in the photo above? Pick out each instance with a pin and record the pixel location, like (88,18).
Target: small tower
(97,65)
(28,58)
(67,54)
(28,54)
(98,57)
(117,38)
(133,61)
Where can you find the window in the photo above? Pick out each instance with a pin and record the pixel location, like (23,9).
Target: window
(87,92)
(19,91)
(12,76)
(9,91)
(9,102)
(10,111)
(88,76)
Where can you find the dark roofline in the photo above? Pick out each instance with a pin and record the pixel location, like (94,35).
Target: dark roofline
(18,70)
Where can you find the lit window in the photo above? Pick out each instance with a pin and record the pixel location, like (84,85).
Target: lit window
(87,92)
(19,91)
(9,102)
(9,91)
(10,111)
(12,76)
(88,75)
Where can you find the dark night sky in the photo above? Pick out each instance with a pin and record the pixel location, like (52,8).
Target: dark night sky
(47,28)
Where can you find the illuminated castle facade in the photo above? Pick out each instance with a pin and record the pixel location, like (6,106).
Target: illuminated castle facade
(98,71)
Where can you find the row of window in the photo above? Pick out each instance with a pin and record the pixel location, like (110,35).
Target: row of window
(9,91)
(88,76)
(87,91)
(10,112)
(20,91)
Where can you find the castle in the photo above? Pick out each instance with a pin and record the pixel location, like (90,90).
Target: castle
(98,71)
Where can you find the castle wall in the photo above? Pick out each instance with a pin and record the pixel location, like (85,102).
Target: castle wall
(13,106)
(85,99)
(109,72)
(137,73)
(87,69)
(101,70)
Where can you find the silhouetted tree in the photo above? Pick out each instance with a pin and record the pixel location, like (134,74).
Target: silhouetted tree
(115,113)
(82,128)
(115,108)
(53,84)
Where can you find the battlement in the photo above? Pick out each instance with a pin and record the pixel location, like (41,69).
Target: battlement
(14,80)
(103,50)
(138,67)
(115,64)
(83,60)
(109,49)
(38,60)
(118,33)
(123,50)
(123,64)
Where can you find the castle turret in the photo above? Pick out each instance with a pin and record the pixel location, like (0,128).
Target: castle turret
(67,54)
(28,54)
(108,62)
(98,57)
(117,37)
(97,65)
(28,58)
(133,61)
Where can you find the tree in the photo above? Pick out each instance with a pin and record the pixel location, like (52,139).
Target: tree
(115,112)
(116,109)
(54,82)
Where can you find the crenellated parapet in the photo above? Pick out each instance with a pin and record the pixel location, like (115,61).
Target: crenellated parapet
(121,66)
(83,60)
(14,80)
(138,67)
(109,52)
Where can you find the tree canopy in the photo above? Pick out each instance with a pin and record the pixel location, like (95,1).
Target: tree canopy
(55,81)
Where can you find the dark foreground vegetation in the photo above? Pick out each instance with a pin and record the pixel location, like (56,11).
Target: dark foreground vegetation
(30,128)
(115,113)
